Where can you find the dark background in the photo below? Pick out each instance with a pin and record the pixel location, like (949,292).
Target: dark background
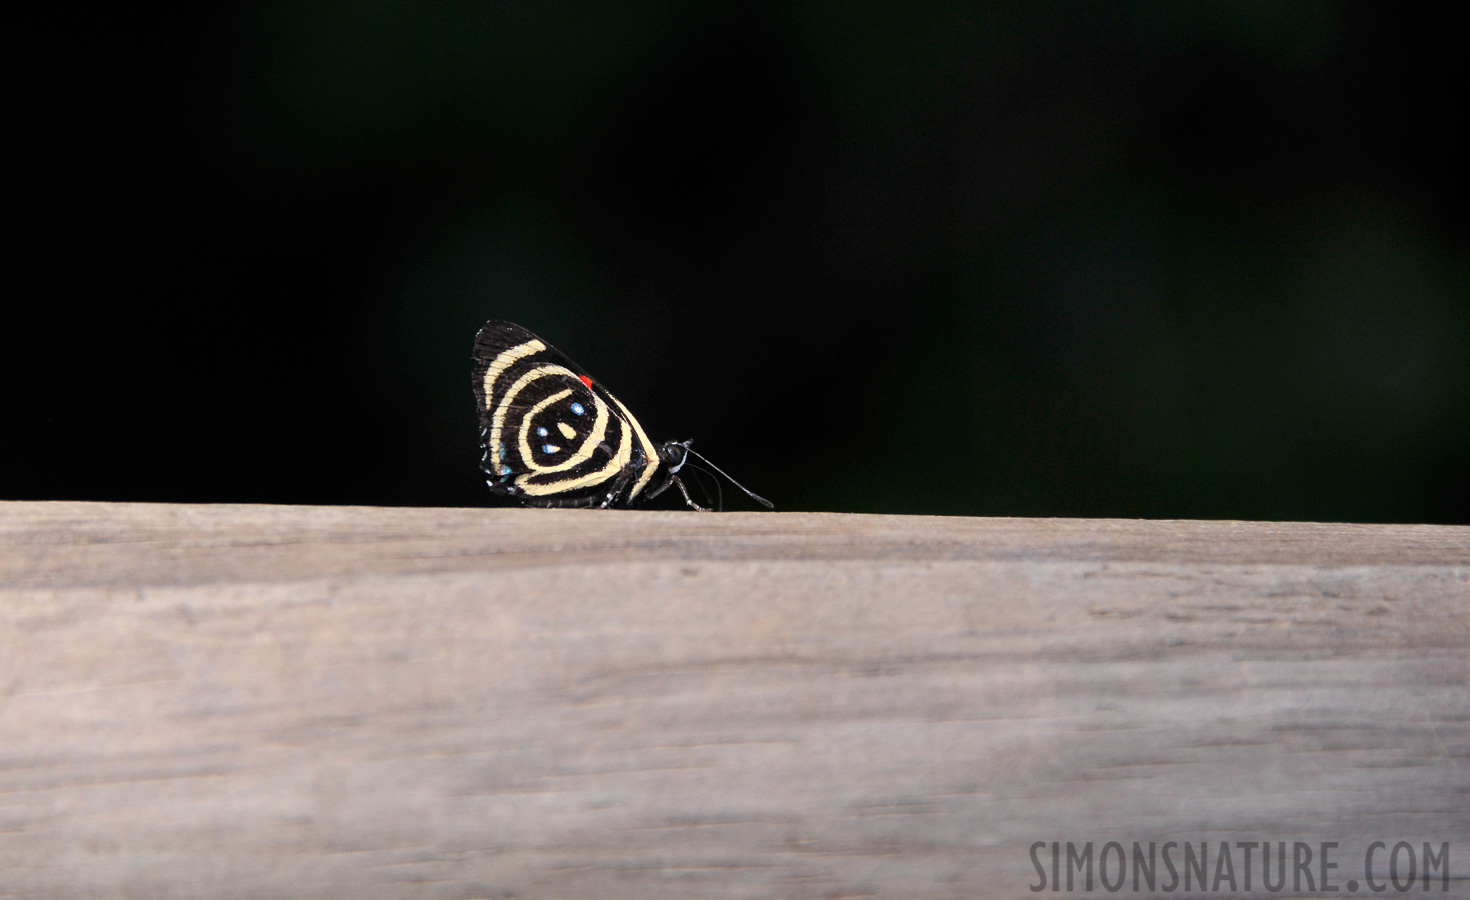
(1165,260)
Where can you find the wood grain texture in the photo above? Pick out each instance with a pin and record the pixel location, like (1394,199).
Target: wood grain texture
(282,702)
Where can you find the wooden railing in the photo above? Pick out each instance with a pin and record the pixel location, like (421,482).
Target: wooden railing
(285,702)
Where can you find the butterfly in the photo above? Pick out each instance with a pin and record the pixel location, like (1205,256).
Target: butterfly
(550,435)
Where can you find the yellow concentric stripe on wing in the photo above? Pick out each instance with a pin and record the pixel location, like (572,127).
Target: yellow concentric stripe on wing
(619,460)
(504,361)
(584,452)
(648,450)
(497,419)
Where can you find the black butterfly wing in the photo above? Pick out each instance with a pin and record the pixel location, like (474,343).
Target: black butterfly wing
(549,434)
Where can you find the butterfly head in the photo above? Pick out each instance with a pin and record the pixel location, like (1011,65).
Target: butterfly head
(674,454)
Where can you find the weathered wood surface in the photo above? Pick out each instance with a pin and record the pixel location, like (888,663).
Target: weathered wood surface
(263,702)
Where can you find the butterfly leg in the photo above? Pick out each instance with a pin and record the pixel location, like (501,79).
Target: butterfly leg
(658,490)
(577,503)
(620,484)
(688,499)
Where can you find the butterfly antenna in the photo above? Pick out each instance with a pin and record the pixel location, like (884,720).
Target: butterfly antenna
(753,495)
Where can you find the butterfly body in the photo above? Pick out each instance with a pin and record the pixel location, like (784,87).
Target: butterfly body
(550,435)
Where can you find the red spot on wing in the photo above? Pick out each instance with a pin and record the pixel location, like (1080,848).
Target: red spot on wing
(585,380)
